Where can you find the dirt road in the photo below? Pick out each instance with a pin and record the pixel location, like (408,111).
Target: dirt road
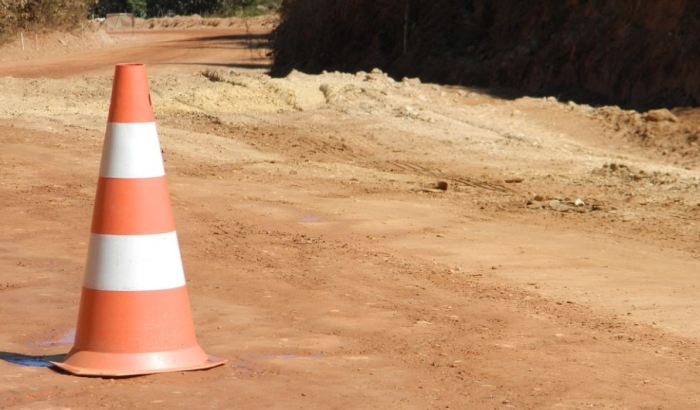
(557,270)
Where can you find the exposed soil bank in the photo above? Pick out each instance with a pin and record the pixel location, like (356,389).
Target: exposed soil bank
(628,52)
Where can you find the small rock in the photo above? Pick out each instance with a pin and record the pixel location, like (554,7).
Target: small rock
(535,205)
(410,81)
(662,115)
(539,198)
(566,208)
(554,204)
(442,185)
(514,180)
(579,202)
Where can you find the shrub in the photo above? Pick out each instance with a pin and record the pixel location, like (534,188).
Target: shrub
(33,14)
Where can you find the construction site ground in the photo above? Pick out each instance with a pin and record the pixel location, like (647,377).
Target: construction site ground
(355,242)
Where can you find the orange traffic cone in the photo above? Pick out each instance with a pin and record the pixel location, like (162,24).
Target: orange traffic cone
(134,313)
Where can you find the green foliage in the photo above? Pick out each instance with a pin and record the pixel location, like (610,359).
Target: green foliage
(137,7)
(103,7)
(248,7)
(159,8)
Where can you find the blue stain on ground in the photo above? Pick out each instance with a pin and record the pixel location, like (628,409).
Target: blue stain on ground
(309,219)
(285,356)
(249,358)
(43,360)
(68,338)
(246,359)
(246,365)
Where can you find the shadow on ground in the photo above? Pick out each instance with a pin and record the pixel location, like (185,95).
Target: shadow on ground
(31,360)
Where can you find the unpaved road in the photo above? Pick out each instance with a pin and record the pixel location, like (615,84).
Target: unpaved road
(323,262)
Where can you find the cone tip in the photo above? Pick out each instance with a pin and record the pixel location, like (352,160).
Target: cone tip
(131,100)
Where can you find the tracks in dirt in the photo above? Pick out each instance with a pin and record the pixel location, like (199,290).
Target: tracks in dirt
(296,143)
(421,170)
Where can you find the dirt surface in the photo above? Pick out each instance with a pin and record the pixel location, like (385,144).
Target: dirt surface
(354,242)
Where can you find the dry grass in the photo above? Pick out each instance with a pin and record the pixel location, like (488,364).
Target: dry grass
(41,14)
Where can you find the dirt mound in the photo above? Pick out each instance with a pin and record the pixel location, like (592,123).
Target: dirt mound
(628,52)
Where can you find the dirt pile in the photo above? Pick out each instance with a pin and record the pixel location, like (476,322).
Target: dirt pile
(628,52)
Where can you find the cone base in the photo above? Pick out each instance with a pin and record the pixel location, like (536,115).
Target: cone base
(88,363)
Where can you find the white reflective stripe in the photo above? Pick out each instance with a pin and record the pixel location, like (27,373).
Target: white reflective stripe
(131,150)
(134,262)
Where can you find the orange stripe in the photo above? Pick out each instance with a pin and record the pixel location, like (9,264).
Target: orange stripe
(131,99)
(138,206)
(134,322)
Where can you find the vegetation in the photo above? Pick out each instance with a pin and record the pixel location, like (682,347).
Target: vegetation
(18,15)
(159,8)
(29,14)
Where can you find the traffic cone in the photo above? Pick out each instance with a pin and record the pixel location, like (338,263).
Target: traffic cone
(134,315)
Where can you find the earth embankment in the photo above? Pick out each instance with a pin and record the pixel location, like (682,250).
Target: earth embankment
(638,54)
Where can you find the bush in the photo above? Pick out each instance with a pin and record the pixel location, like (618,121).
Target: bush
(54,14)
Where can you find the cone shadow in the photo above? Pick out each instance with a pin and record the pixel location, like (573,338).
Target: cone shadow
(30,360)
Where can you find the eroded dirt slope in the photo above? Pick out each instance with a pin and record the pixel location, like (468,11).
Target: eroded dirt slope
(637,53)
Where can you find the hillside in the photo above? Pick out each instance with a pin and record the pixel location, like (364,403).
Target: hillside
(635,53)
